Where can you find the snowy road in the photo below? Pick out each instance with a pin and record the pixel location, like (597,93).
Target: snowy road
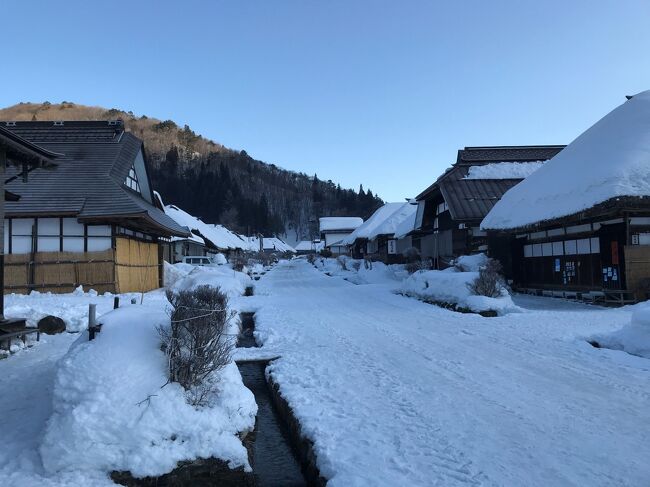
(397,392)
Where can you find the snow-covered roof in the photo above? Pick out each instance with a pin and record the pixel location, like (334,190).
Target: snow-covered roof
(329,223)
(377,218)
(611,159)
(218,235)
(269,243)
(504,170)
(308,245)
(389,225)
(406,225)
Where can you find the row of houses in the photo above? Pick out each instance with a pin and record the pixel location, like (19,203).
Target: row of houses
(563,220)
(79,209)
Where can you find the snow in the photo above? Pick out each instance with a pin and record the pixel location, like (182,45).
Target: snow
(608,160)
(633,338)
(406,225)
(377,218)
(73,309)
(451,287)
(393,391)
(151,427)
(219,235)
(269,243)
(471,262)
(232,283)
(388,226)
(329,223)
(309,246)
(504,170)
(73,413)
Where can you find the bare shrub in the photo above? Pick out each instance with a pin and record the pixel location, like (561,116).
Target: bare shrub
(356,265)
(489,281)
(197,343)
(325,253)
(367,262)
(311,258)
(411,255)
(342,261)
(415,266)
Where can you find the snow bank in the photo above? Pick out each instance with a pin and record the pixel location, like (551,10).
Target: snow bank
(231,282)
(452,288)
(471,262)
(113,411)
(608,160)
(71,308)
(175,272)
(504,170)
(633,338)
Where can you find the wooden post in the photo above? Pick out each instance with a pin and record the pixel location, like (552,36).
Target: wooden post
(92,310)
(116,302)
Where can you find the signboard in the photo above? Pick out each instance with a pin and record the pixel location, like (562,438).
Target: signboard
(392,246)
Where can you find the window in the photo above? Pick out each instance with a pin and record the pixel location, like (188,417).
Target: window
(132,180)
(583,246)
(537,250)
(558,248)
(528,250)
(547,249)
(442,207)
(595,245)
(570,247)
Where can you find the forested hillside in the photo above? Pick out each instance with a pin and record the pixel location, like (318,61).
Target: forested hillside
(218,184)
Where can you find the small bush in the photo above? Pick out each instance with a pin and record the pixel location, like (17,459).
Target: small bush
(367,262)
(342,261)
(326,253)
(356,265)
(311,258)
(415,266)
(489,281)
(411,255)
(196,343)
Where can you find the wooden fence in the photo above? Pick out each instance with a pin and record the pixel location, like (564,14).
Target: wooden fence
(60,272)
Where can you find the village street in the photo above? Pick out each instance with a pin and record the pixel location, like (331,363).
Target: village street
(397,392)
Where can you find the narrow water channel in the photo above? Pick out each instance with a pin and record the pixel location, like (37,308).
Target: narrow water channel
(274,462)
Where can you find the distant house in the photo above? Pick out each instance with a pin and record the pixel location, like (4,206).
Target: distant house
(269,245)
(333,229)
(309,246)
(90,220)
(362,242)
(451,209)
(383,243)
(581,224)
(204,239)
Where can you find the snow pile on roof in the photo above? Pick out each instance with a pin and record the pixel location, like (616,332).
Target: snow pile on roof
(328,223)
(389,226)
(269,243)
(504,170)
(633,338)
(218,235)
(112,408)
(367,227)
(611,159)
(451,287)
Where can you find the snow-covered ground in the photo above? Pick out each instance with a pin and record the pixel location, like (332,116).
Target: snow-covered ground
(394,391)
(74,410)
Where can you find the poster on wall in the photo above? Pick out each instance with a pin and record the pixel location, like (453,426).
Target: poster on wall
(392,246)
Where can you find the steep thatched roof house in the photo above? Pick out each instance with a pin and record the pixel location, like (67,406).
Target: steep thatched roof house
(581,224)
(91,220)
(451,209)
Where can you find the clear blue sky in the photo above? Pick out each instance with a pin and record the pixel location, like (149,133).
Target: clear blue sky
(376,92)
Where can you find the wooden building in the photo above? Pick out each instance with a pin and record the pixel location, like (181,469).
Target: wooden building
(333,229)
(580,226)
(91,219)
(363,242)
(451,209)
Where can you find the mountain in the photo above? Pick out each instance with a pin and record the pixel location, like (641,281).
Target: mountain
(218,184)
